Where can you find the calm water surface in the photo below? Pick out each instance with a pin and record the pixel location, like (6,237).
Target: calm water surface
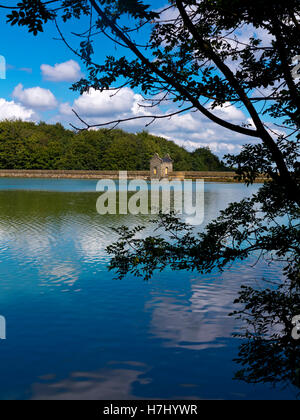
(75,332)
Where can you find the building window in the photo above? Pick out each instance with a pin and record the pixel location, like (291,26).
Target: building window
(166,171)
(155,171)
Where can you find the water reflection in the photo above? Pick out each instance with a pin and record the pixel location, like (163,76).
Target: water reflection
(175,330)
(185,326)
(269,352)
(107,384)
(199,320)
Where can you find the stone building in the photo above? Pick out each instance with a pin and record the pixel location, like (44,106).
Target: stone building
(161,167)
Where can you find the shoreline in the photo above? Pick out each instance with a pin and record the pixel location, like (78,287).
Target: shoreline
(208,176)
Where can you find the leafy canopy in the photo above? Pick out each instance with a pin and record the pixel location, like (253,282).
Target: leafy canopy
(25,145)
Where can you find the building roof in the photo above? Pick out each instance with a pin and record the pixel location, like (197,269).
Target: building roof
(166,159)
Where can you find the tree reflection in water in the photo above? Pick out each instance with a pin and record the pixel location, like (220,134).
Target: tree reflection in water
(268,352)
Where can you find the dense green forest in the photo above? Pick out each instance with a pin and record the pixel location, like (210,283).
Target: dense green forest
(26,145)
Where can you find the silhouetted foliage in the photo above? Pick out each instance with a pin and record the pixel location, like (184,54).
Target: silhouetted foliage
(269,353)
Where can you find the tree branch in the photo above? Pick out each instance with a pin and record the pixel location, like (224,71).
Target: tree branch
(119,121)
(169,80)
(277,156)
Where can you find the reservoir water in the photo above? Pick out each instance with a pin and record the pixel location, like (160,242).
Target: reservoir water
(73,331)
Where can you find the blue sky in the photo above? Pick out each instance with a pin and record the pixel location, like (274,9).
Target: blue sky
(25,54)
(40,71)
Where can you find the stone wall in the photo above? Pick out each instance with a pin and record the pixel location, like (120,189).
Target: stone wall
(207,176)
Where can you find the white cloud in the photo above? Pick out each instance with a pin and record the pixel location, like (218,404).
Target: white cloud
(190,130)
(68,71)
(65,109)
(98,104)
(167,14)
(193,130)
(229,112)
(10,110)
(35,97)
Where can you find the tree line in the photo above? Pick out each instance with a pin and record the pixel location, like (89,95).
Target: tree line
(26,145)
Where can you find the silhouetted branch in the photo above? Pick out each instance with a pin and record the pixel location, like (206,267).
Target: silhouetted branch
(119,121)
